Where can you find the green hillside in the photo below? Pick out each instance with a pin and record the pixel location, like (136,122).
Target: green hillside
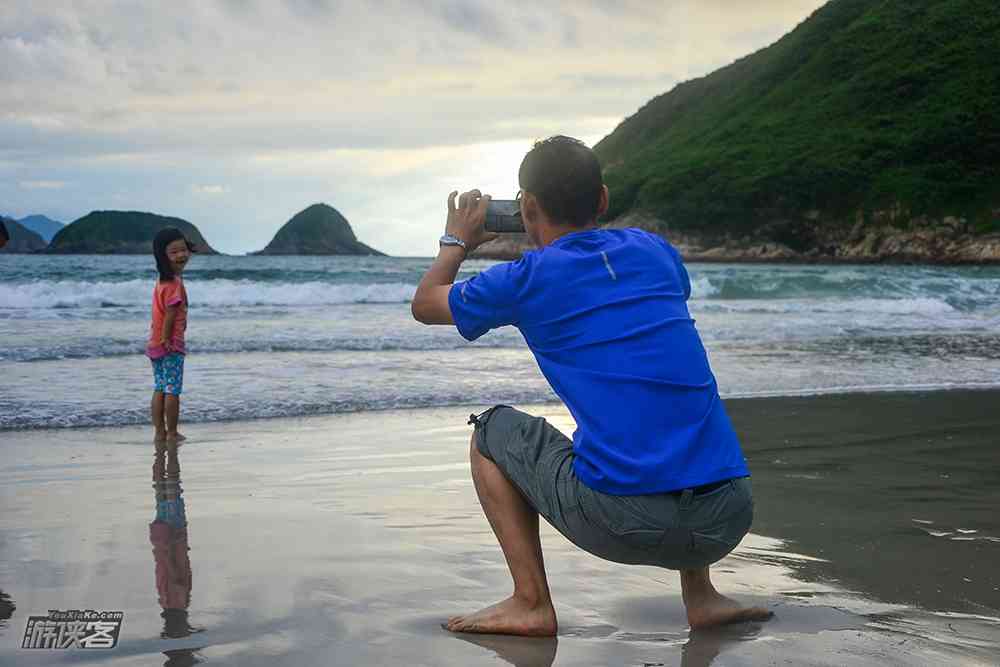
(868,105)
(120,233)
(319,229)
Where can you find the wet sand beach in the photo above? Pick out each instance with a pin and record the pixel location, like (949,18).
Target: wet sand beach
(348,540)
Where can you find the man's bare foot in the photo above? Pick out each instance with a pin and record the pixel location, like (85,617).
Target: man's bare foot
(159,437)
(715,609)
(175,438)
(509,617)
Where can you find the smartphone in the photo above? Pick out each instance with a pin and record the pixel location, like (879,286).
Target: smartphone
(504,216)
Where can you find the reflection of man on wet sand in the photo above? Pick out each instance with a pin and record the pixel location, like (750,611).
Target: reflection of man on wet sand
(654,474)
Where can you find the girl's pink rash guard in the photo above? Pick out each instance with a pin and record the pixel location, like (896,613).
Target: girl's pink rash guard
(166,294)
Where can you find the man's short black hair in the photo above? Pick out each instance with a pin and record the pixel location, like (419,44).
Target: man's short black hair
(565,177)
(4,234)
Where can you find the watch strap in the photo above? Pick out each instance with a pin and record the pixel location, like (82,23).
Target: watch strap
(449,239)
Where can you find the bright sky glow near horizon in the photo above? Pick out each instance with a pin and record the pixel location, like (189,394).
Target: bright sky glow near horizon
(236,114)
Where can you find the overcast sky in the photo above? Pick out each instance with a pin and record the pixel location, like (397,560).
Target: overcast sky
(236,114)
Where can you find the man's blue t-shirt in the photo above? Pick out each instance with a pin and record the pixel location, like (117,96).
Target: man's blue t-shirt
(604,312)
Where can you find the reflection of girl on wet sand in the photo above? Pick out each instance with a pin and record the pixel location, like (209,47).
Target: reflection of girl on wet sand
(168,535)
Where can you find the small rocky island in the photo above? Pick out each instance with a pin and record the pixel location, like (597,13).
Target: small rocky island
(120,233)
(317,230)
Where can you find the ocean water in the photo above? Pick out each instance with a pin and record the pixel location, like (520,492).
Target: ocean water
(286,336)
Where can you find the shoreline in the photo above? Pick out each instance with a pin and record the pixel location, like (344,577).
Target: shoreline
(753,255)
(781,260)
(876,390)
(921,242)
(804,260)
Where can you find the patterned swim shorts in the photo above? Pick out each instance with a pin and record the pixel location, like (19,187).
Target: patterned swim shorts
(168,374)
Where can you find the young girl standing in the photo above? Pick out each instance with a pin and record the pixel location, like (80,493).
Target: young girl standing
(166,334)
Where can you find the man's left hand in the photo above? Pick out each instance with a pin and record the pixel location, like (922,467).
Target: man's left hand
(467,221)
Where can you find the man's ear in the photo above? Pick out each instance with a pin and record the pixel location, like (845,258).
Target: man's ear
(529,208)
(602,203)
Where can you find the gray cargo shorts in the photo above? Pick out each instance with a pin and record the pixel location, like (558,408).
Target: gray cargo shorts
(680,530)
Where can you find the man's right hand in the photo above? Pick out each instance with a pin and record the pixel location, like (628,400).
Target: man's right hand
(468,221)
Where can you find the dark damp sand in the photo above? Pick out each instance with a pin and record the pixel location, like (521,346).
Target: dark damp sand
(348,539)
(900,492)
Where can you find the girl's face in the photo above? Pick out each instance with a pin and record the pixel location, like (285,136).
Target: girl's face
(178,254)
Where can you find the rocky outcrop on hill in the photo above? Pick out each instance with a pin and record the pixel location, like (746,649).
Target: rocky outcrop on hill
(884,237)
(505,246)
(317,230)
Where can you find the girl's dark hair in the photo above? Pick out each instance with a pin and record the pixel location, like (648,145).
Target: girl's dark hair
(163,238)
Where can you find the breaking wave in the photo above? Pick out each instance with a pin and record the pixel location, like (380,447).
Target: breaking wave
(217,293)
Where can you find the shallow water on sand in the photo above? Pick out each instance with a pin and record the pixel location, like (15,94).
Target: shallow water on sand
(348,539)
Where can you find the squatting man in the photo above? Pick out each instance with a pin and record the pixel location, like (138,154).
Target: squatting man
(653,474)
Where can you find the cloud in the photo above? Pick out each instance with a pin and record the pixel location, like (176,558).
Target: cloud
(209,189)
(352,98)
(41,185)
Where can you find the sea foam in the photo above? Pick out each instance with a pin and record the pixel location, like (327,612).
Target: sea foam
(219,293)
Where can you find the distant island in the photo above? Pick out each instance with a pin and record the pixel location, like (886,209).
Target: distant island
(120,233)
(317,230)
(870,133)
(42,225)
(22,239)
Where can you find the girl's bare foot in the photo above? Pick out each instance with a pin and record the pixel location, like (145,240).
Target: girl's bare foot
(512,616)
(716,609)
